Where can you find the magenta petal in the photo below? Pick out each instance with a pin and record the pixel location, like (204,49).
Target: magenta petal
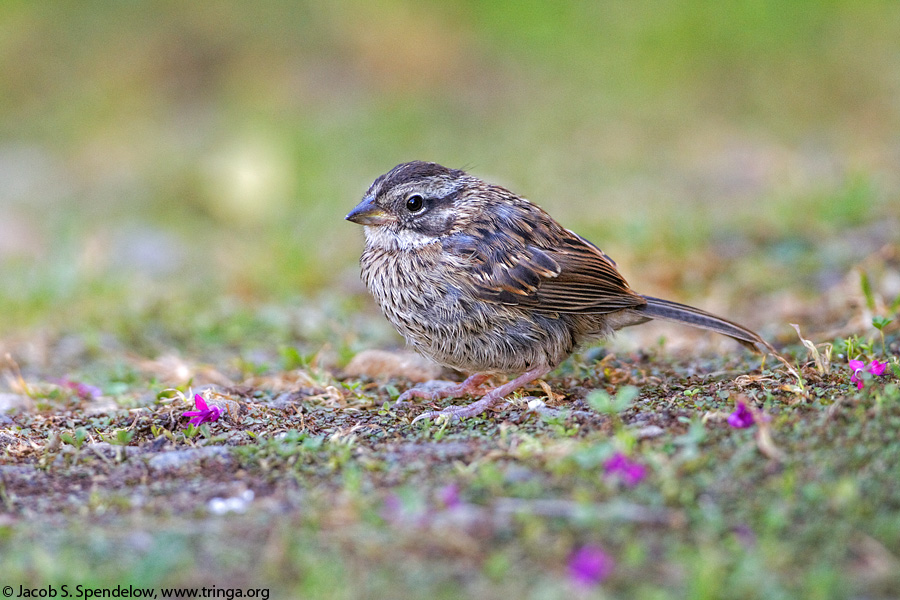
(203,413)
(877,368)
(590,565)
(634,474)
(741,418)
(199,402)
(856,365)
(449,496)
(630,471)
(616,462)
(82,390)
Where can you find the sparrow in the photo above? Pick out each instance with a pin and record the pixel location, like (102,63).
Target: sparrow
(482,280)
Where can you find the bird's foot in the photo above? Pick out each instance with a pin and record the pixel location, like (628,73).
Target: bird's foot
(439,389)
(455,413)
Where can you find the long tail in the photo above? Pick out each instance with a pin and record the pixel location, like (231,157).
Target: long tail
(667,310)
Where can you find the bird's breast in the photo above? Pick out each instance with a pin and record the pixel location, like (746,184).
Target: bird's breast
(424,294)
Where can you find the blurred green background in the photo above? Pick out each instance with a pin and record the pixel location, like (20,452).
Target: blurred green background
(194,151)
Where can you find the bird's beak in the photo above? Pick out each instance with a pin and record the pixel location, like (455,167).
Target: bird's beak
(368,213)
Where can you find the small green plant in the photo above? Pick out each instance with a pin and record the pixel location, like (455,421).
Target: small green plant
(439,434)
(75,438)
(880,323)
(602,402)
(866,287)
(159,430)
(559,422)
(121,437)
(353,386)
(291,358)
(852,347)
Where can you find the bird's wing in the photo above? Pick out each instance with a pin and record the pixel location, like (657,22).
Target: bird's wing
(549,269)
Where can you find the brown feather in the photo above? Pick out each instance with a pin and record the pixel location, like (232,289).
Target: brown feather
(551,269)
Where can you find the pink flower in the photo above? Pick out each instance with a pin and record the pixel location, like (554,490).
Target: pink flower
(82,390)
(589,566)
(857,366)
(631,472)
(448,496)
(742,417)
(203,414)
(875,368)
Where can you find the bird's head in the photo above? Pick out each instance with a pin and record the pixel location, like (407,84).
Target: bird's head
(414,204)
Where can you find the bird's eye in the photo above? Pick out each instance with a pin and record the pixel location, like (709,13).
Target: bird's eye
(415,203)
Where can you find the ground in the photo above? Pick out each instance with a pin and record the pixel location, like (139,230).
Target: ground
(337,495)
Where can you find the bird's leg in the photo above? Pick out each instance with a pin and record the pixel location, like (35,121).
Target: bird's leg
(488,400)
(437,389)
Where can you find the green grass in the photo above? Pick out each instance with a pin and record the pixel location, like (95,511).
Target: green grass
(343,511)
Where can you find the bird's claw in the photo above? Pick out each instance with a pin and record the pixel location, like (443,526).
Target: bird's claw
(439,388)
(435,415)
(455,413)
(495,395)
(430,390)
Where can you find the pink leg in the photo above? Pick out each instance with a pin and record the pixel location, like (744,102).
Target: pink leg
(435,390)
(488,400)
